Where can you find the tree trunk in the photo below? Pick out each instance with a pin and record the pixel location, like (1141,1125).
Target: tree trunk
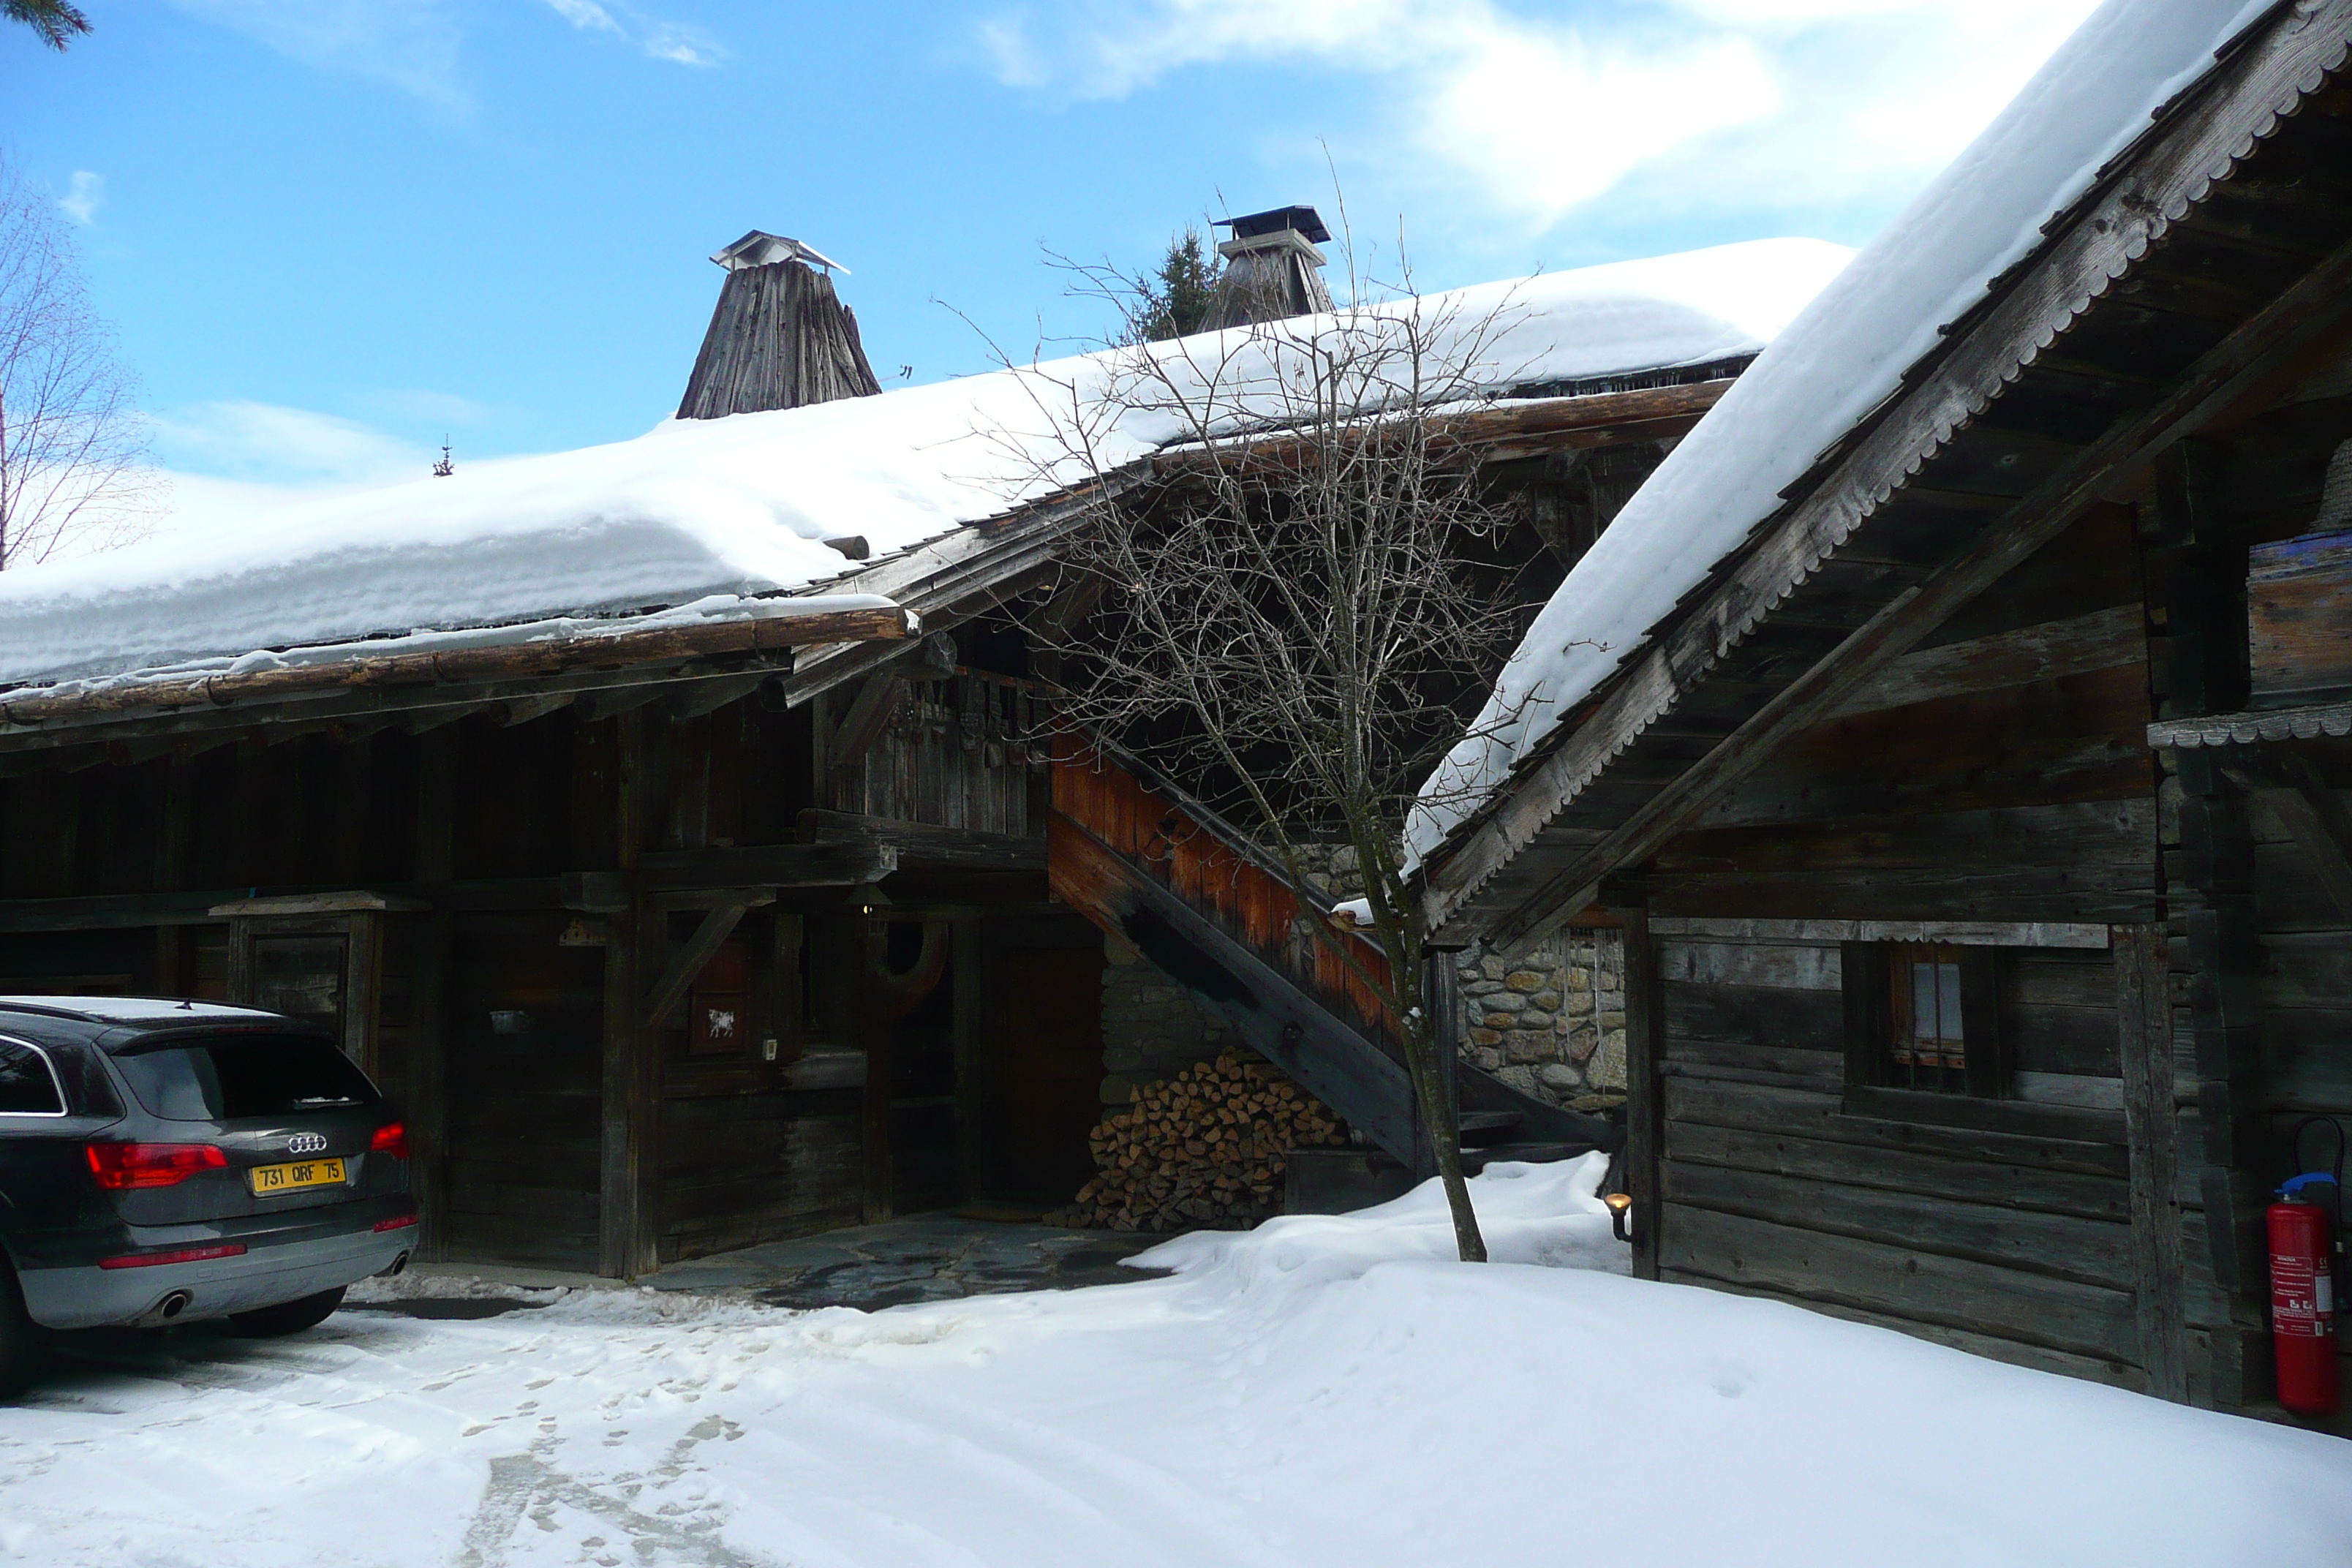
(1437,1114)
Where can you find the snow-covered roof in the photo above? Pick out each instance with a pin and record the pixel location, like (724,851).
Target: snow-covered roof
(1844,355)
(700,513)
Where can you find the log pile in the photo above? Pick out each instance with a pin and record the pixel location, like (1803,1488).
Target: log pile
(1205,1150)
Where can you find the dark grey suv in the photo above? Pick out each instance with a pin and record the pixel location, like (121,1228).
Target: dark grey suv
(165,1161)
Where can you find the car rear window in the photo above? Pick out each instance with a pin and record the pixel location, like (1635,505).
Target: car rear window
(235,1075)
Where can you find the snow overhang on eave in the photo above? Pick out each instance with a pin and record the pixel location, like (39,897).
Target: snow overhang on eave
(439,668)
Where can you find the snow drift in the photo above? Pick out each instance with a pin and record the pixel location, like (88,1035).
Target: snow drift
(1320,1391)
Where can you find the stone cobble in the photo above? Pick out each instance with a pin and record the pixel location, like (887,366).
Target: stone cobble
(1551,1020)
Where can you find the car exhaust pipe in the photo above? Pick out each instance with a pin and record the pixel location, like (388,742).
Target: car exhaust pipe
(173,1305)
(395,1267)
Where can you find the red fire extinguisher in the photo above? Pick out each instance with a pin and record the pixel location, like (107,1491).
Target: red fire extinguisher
(2306,1252)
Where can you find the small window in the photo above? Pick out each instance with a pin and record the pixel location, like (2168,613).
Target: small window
(28,1085)
(1929,1042)
(1923,1015)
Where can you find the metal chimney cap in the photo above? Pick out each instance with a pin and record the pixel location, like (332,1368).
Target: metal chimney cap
(760,249)
(1306,220)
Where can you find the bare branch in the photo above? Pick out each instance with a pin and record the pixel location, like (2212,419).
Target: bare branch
(1296,614)
(73,450)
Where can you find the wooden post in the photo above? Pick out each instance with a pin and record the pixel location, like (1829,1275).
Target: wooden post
(628,1231)
(971,1058)
(625,1227)
(428,1080)
(2143,1032)
(1645,1090)
(873,1024)
(437,804)
(173,842)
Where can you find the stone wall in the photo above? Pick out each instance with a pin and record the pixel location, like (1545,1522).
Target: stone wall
(1152,1029)
(1550,1020)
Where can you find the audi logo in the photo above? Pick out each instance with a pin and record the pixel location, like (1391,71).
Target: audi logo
(305,1143)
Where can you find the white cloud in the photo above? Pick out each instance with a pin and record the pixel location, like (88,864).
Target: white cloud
(83,196)
(412,44)
(416,45)
(229,461)
(1733,104)
(660,41)
(271,445)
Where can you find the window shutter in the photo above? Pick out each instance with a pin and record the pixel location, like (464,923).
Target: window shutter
(1980,989)
(1868,1018)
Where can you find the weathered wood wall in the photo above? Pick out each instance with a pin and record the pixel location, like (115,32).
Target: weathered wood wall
(967,751)
(2000,772)
(2010,1237)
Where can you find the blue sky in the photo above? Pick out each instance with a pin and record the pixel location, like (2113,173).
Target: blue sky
(330,230)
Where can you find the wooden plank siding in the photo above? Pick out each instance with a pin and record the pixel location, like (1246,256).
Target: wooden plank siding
(1770,1181)
(967,751)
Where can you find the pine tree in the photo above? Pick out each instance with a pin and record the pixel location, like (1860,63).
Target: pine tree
(54,20)
(1176,297)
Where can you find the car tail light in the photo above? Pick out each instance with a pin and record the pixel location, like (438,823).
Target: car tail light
(397,1222)
(392,1138)
(177,1255)
(121,1166)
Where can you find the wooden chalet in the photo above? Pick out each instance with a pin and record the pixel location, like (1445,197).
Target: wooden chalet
(674,933)
(1978,824)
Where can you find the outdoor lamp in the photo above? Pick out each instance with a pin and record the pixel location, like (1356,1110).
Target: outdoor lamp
(1621,1208)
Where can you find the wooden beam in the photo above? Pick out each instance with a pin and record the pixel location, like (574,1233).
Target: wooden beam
(2144,1034)
(686,963)
(869,713)
(708,696)
(841,865)
(523,709)
(923,843)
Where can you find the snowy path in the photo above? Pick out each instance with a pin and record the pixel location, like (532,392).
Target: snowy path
(1324,1392)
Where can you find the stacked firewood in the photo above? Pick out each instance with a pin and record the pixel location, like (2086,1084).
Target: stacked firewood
(1205,1149)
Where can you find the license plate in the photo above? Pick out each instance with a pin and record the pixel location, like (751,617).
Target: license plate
(268,1179)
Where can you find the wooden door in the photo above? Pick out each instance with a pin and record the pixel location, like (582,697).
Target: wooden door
(525,1087)
(1045,1066)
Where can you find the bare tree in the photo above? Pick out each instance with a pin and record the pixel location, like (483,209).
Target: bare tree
(1296,613)
(73,449)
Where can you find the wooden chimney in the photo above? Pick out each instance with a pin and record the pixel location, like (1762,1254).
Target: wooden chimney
(1272,269)
(780,338)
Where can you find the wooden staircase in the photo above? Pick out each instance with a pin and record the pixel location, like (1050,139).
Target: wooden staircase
(1200,900)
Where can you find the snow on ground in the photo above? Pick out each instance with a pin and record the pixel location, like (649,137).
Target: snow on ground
(1318,1391)
(1842,356)
(742,505)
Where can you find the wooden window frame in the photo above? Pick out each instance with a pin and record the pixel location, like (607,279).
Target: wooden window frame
(1875,1014)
